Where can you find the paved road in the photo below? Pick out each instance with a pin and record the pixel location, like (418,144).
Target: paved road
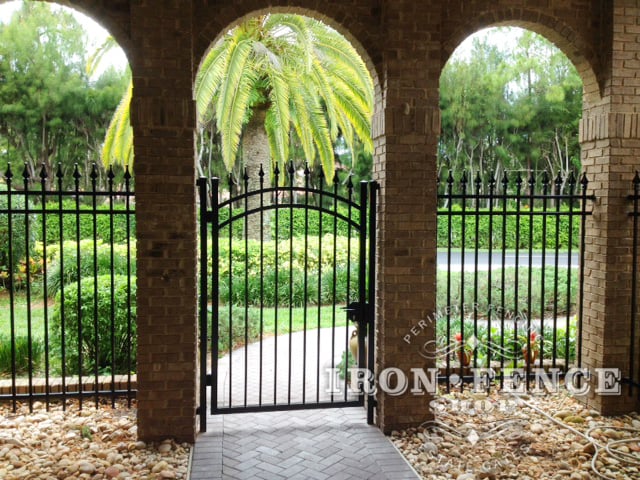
(509,260)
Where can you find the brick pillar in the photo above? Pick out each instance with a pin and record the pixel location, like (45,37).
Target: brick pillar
(406,128)
(610,139)
(163,117)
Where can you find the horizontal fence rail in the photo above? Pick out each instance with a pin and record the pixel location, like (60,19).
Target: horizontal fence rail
(67,288)
(510,273)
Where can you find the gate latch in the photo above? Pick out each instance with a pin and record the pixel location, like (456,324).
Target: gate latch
(357,312)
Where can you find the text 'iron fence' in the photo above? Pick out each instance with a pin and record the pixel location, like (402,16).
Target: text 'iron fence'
(67,288)
(510,273)
(286,292)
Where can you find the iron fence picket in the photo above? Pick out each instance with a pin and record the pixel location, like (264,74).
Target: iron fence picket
(515,316)
(47,376)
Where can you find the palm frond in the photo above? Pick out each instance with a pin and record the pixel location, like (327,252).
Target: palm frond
(233,100)
(118,144)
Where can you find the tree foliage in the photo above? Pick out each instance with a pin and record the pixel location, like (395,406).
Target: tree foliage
(304,78)
(50,109)
(510,110)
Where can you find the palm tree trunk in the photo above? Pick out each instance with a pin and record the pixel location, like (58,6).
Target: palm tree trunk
(255,154)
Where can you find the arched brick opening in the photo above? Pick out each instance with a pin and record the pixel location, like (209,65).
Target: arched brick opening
(563,36)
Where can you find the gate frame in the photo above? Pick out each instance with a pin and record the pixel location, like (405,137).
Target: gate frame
(362,311)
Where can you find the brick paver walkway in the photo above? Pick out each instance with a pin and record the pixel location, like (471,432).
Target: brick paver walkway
(311,444)
(334,444)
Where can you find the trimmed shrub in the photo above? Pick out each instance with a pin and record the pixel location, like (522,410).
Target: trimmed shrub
(18,241)
(56,276)
(70,223)
(112,346)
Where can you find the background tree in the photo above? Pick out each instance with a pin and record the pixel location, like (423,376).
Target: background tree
(50,109)
(270,81)
(510,110)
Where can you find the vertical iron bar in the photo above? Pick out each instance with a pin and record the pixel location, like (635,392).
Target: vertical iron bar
(43,200)
(634,282)
(545,195)
(291,212)
(505,197)
(532,186)
(516,292)
(348,296)
(246,284)
(371,312)
(63,341)
(334,279)
(276,293)
(572,187)
(362,276)
(478,186)
(558,184)
(584,183)
(231,302)
(463,242)
(492,187)
(76,177)
(27,234)
(94,221)
(450,182)
(127,190)
(215,291)
(262,240)
(204,290)
(12,314)
(112,311)
(305,283)
(319,319)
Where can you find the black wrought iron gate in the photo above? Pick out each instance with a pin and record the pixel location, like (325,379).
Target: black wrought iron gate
(286,294)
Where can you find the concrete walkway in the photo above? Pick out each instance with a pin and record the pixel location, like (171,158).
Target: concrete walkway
(312,444)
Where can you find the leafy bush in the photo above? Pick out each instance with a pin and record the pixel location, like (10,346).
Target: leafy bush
(86,224)
(296,228)
(19,242)
(113,347)
(496,225)
(57,275)
(553,293)
(252,328)
(292,261)
(22,355)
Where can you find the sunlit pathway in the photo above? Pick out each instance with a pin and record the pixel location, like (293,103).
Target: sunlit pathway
(333,443)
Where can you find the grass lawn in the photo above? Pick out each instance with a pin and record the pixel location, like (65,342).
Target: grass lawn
(20,315)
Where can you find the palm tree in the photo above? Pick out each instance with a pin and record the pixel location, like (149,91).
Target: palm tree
(271,77)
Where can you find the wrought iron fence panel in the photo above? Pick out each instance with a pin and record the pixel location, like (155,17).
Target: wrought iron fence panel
(67,291)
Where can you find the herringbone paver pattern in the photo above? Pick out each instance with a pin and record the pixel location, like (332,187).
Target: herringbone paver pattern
(334,444)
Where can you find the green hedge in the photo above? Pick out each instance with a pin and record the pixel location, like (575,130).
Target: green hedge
(291,265)
(552,292)
(56,276)
(485,224)
(19,241)
(70,222)
(300,219)
(109,320)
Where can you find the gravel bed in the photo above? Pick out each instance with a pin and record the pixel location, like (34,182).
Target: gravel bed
(480,436)
(83,444)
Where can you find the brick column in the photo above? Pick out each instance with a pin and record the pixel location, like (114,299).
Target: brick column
(406,128)
(610,139)
(163,117)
